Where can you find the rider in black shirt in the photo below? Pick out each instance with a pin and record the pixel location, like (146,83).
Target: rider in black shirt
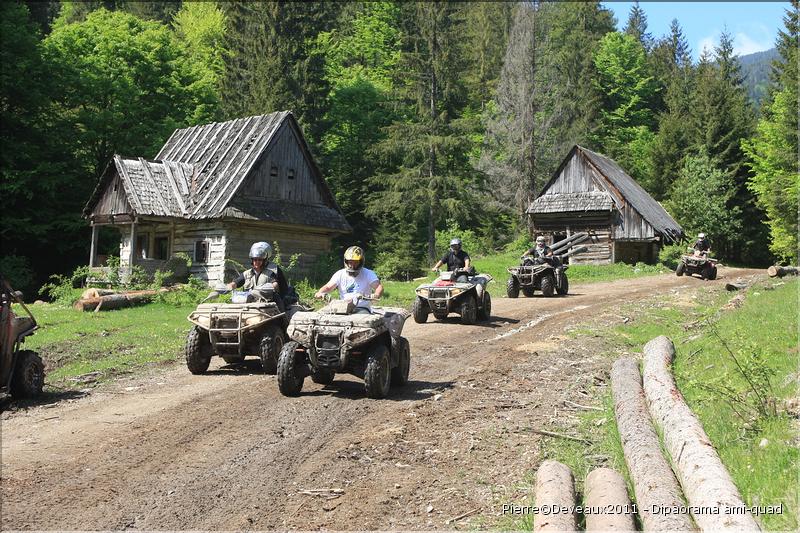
(455,259)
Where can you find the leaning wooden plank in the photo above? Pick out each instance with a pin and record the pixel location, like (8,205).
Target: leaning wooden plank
(607,503)
(654,483)
(555,490)
(713,498)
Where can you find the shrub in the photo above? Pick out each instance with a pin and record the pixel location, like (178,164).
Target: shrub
(17,271)
(670,255)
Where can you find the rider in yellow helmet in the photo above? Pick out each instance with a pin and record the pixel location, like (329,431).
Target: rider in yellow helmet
(354,281)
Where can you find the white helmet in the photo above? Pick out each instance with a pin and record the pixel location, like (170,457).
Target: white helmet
(261,250)
(455,243)
(539,240)
(701,235)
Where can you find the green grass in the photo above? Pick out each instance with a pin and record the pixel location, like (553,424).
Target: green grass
(766,325)
(112,342)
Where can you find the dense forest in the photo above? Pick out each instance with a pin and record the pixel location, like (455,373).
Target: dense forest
(426,117)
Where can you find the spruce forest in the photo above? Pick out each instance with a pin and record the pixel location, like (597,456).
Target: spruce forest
(424,117)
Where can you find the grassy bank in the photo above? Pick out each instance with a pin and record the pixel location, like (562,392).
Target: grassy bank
(742,396)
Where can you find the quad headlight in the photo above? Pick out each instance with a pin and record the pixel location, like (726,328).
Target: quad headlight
(423,292)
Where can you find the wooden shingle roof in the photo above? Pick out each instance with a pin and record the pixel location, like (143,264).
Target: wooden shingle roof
(572,202)
(630,192)
(199,170)
(639,199)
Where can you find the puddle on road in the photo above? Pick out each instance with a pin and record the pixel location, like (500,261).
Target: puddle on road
(536,321)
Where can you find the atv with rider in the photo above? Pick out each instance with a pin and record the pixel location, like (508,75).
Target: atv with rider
(460,291)
(338,339)
(21,371)
(697,262)
(543,268)
(251,325)
(545,274)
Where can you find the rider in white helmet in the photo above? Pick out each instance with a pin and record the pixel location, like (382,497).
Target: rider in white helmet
(455,259)
(263,272)
(702,246)
(540,249)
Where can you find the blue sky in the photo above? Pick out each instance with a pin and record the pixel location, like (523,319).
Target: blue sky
(754,25)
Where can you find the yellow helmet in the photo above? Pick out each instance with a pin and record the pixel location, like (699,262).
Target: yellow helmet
(354,253)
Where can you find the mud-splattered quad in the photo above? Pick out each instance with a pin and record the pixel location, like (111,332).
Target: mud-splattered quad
(251,326)
(336,339)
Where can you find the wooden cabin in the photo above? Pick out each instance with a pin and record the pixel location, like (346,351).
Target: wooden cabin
(590,192)
(211,192)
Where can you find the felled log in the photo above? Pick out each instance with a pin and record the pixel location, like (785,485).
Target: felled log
(780,271)
(705,480)
(605,490)
(96,293)
(555,489)
(114,301)
(654,482)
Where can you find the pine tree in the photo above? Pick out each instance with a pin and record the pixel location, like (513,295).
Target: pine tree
(428,176)
(674,73)
(625,128)
(273,66)
(637,26)
(773,150)
(722,118)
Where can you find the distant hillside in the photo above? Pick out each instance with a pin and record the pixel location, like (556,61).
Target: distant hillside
(755,70)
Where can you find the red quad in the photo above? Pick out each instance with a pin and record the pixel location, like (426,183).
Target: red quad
(21,371)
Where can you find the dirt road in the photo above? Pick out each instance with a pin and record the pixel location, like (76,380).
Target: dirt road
(226,451)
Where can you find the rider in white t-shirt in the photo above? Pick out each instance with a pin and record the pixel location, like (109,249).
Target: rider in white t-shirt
(354,281)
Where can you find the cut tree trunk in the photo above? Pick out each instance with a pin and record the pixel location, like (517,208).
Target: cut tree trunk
(653,480)
(780,271)
(605,490)
(114,301)
(709,489)
(555,488)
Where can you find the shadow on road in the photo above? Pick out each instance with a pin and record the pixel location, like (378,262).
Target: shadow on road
(413,390)
(47,397)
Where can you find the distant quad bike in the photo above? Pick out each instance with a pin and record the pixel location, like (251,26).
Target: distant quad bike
(335,339)
(252,325)
(21,371)
(446,295)
(697,263)
(546,275)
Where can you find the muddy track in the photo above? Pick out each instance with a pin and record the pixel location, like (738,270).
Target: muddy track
(169,450)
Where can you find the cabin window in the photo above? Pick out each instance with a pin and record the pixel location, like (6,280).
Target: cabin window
(273,171)
(201,251)
(142,246)
(161,248)
(291,173)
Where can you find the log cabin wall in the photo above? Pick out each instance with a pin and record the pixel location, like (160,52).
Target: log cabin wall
(113,201)
(284,173)
(290,241)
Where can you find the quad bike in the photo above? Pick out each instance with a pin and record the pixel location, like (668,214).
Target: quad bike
(21,371)
(548,275)
(697,263)
(252,324)
(336,339)
(545,274)
(447,295)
